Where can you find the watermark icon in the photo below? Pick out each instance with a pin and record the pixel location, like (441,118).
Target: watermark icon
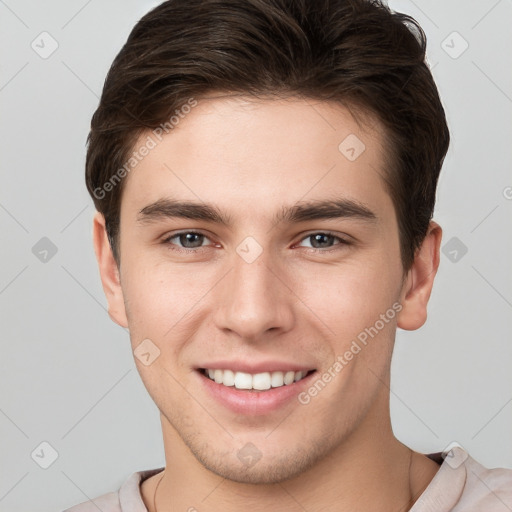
(507,193)
(355,348)
(249,249)
(249,455)
(44,250)
(454,455)
(454,249)
(454,45)
(351,147)
(44,455)
(144,149)
(146,352)
(44,45)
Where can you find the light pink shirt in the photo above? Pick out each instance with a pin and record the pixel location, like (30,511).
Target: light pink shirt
(460,485)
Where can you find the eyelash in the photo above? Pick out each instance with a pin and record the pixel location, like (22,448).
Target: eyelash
(342,242)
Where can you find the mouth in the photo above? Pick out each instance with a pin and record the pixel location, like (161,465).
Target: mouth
(263,389)
(255,382)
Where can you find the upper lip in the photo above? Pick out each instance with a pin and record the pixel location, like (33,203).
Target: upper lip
(261,367)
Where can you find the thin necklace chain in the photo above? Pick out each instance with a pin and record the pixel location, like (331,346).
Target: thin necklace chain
(410,488)
(156,489)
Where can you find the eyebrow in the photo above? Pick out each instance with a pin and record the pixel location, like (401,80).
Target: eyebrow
(167,208)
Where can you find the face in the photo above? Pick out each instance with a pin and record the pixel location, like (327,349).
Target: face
(285,258)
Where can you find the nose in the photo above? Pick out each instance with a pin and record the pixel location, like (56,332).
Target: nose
(254,299)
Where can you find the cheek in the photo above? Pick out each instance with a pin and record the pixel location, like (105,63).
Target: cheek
(348,297)
(360,306)
(159,297)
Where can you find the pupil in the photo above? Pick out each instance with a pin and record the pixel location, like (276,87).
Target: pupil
(189,238)
(318,239)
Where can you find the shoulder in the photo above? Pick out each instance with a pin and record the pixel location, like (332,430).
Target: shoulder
(106,503)
(127,499)
(462,484)
(488,489)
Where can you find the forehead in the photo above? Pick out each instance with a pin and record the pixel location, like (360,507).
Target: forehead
(253,155)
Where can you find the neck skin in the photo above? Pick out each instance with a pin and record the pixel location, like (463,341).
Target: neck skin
(371,470)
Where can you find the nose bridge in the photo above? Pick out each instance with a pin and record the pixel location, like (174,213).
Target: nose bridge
(254,299)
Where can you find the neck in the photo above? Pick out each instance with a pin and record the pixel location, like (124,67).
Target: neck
(369,470)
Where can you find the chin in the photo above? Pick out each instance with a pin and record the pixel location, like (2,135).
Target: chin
(271,468)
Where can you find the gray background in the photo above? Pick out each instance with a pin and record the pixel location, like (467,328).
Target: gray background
(68,375)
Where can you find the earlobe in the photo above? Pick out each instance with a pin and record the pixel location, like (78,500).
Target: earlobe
(420,280)
(109,272)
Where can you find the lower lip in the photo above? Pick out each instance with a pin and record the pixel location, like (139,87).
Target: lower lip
(247,402)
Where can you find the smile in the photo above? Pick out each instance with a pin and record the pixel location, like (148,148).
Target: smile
(257,382)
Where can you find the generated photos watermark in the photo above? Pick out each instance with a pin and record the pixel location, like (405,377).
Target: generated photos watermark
(145,148)
(343,360)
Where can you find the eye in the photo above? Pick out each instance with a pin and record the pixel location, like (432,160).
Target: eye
(323,241)
(192,241)
(187,240)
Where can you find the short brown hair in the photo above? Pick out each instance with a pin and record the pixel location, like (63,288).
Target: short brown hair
(355,52)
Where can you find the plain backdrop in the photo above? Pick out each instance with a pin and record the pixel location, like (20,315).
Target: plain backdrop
(71,398)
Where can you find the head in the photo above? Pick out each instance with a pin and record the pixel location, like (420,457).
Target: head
(289,124)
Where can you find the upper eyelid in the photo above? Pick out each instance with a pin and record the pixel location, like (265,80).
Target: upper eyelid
(344,239)
(185,232)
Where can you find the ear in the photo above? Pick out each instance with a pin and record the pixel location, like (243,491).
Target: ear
(419,281)
(109,272)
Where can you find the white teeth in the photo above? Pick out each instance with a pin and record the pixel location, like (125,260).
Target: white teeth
(288,377)
(258,381)
(277,379)
(243,380)
(229,378)
(261,381)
